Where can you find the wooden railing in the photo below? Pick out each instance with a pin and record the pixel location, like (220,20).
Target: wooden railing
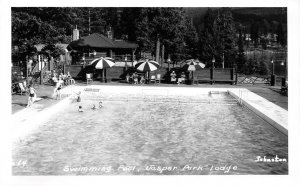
(253,79)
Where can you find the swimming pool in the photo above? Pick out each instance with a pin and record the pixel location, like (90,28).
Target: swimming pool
(153,133)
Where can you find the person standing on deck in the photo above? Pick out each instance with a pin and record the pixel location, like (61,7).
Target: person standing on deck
(32,96)
(57,89)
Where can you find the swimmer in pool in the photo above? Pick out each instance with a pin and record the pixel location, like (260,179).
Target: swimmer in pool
(78,97)
(80,109)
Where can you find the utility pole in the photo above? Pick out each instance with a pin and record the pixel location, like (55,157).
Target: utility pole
(157,49)
(89,30)
(162,55)
(223,61)
(89,21)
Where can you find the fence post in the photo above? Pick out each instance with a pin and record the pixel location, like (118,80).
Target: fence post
(41,77)
(232,75)
(273,80)
(211,75)
(236,77)
(132,57)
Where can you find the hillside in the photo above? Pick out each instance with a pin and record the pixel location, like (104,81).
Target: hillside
(244,16)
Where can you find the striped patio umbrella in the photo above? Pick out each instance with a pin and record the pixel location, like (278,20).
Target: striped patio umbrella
(146,65)
(191,64)
(103,62)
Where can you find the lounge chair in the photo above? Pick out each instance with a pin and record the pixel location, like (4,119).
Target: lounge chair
(183,79)
(70,81)
(21,88)
(153,79)
(25,84)
(89,77)
(158,78)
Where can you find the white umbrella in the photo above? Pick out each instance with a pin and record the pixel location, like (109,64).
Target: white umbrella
(146,65)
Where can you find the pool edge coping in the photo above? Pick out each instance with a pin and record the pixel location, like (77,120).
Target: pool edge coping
(264,113)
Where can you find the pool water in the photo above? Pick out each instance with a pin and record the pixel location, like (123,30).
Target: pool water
(153,136)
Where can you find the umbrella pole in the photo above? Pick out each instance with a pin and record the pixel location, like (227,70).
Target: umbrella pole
(147,76)
(103,76)
(192,77)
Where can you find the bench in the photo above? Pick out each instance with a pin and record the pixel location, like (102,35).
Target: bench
(201,79)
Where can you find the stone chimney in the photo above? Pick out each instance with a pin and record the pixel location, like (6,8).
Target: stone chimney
(110,33)
(75,34)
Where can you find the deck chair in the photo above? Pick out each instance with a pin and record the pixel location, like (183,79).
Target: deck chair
(21,88)
(183,80)
(152,79)
(89,78)
(71,81)
(142,80)
(158,78)
(25,85)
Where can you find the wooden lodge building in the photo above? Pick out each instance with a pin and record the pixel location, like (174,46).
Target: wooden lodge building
(97,45)
(88,48)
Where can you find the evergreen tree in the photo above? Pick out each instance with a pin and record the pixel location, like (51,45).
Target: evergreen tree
(281,35)
(29,30)
(206,40)
(241,60)
(218,37)
(254,31)
(170,25)
(263,68)
(228,37)
(191,38)
(266,27)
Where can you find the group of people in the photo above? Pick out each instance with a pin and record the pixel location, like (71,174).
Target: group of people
(32,92)
(59,81)
(80,109)
(135,78)
(180,79)
(58,84)
(64,77)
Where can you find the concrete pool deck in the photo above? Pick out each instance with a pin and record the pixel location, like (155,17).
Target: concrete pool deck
(273,114)
(27,120)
